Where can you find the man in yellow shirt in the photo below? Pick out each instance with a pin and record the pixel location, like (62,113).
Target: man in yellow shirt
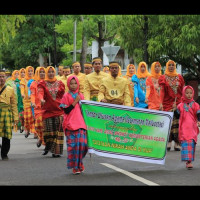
(66,73)
(8,114)
(60,72)
(88,68)
(81,76)
(93,80)
(114,89)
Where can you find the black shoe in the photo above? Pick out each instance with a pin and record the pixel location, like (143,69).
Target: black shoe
(39,143)
(27,134)
(5,158)
(55,156)
(168,148)
(177,149)
(21,129)
(45,152)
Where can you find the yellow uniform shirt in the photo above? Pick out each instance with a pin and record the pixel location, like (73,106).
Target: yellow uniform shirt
(92,83)
(8,97)
(64,80)
(81,78)
(58,77)
(115,90)
(24,92)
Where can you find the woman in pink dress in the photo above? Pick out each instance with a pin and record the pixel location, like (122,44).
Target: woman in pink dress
(188,112)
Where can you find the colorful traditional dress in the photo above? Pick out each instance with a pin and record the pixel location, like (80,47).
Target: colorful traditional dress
(75,128)
(171,91)
(188,110)
(28,115)
(92,83)
(153,89)
(8,114)
(139,81)
(37,110)
(115,90)
(128,76)
(52,92)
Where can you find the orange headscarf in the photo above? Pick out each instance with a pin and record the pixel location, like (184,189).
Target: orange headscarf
(167,72)
(37,73)
(153,73)
(13,74)
(139,73)
(22,69)
(127,70)
(26,73)
(46,73)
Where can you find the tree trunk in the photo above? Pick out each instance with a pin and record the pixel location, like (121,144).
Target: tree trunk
(83,52)
(145,45)
(101,39)
(84,48)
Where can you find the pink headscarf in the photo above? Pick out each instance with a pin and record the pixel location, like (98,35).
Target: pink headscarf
(68,83)
(184,99)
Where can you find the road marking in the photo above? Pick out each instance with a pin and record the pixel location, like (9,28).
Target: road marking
(138,178)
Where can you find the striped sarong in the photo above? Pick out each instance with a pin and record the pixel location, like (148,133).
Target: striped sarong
(174,130)
(29,120)
(188,150)
(53,135)
(76,148)
(6,121)
(39,128)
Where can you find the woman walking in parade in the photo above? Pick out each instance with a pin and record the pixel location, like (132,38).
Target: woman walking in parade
(153,88)
(8,114)
(21,114)
(36,103)
(171,84)
(28,114)
(139,82)
(50,93)
(14,82)
(130,71)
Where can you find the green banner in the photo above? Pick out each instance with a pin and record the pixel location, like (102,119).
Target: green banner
(127,132)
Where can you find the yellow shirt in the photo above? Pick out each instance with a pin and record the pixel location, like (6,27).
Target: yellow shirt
(24,92)
(92,83)
(131,88)
(64,80)
(81,78)
(8,97)
(58,77)
(115,90)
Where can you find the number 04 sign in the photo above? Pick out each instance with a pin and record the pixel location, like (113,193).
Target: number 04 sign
(127,132)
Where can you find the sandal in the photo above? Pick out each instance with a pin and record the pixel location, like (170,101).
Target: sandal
(189,165)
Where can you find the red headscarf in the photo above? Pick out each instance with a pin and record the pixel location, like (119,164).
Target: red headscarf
(68,83)
(184,99)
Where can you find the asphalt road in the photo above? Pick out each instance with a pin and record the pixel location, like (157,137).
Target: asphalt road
(27,167)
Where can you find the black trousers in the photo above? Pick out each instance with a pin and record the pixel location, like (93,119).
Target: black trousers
(5,147)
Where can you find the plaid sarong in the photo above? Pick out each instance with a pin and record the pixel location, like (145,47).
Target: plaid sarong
(39,128)
(6,121)
(188,150)
(29,120)
(53,135)
(76,147)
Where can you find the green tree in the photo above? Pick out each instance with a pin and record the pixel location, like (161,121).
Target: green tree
(179,41)
(8,26)
(35,37)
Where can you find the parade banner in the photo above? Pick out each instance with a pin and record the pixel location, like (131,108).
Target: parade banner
(125,132)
